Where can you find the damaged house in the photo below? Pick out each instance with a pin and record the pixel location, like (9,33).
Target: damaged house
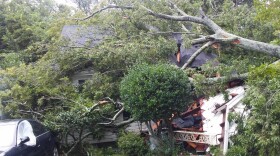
(201,125)
(206,122)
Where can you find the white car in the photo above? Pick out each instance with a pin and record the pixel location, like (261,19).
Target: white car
(26,138)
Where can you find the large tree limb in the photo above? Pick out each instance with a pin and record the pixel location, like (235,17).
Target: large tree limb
(221,34)
(31,112)
(204,21)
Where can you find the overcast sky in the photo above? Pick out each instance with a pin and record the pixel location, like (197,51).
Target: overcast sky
(67,2)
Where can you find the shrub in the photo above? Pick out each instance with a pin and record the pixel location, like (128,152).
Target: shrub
(152,92)
(132,144)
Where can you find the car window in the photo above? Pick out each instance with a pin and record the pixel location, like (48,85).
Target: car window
(38,128)
(25,130)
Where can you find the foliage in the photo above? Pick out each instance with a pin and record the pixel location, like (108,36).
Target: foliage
(93,151)
(132,144)
(215,150)
(85,5)
(167,149)
(261,126)
(239,20)
(76,123)
(268,12)
(155,92)
(26,29)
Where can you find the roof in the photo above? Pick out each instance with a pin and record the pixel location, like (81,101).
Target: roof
(14,120)
(186,53)
(81,36)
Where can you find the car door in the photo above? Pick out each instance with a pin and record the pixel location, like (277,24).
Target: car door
(43,138)
(24,129)
(22,150)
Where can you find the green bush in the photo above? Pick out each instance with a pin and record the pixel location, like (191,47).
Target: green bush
(132,144)
(152,92)
(167,149)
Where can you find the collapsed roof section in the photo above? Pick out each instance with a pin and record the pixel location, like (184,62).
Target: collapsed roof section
(206,123)
(183,54)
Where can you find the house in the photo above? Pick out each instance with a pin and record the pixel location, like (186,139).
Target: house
(76,36)
(211,132)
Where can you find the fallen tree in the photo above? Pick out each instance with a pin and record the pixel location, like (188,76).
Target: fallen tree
(215,38)
(219,34)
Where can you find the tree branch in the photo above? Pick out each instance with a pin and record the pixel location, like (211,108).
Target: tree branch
(225,40)
(115,116)
(172,32)
(124,122)
(214,80)
(194,55)
(77,142)
(204,21)
(104,101)
(105,8)
(31,112)
(220,33)
(223,78)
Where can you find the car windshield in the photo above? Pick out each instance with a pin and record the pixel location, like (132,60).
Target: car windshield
(7,135)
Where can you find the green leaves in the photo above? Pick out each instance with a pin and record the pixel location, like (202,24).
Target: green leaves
(132,144)
(262,125)
(155,91)
(269,12)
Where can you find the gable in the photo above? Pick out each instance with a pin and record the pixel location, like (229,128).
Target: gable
(83,36)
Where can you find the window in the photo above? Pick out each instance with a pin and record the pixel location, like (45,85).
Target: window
(38,128)
(80,85)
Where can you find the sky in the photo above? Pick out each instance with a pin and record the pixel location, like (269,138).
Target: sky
(67,2)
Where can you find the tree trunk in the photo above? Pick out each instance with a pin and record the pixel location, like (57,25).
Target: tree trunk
(170,133)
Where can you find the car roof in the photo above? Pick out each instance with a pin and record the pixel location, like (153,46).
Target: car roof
(11,121)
